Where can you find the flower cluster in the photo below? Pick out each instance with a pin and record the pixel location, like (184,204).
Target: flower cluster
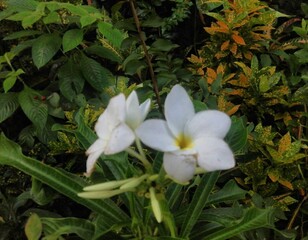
(188,139)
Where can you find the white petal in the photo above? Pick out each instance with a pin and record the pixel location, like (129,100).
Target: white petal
(93,152)
(214,154)
(121,138)
(144,109)
(179,167)
(133,115)
(111,117)
(209,123)
(155,134)
(178,109)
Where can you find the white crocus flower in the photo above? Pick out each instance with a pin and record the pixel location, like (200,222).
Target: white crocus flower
(115,127)
(188,139)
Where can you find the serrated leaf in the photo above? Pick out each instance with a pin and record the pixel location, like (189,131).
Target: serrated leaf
(71,81)
(76,10)
(21,34)
(44,48)
(96,75)
(34,108)
(105,52)
(23,5)
(19,16)
(87,20)
(29,20)
(52,17)
(71,39)
(8,105)
(114,36)
(33,228)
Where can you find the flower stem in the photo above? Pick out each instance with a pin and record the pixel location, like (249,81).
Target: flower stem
(144,161)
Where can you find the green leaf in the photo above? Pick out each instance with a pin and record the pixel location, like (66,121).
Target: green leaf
(8,83)
(21,34)
(10,80)
(114,36)
(52,17)
(59,226)
(104,52)
(230,192)
(33,228)
(253,218)
(76,10)
(98,76)
(71,39)
(71,81)
(63,182)
(8,105)
(32,18)
(44,48)
(198,202)
(163,45)
(19,16)
(237,135)
(23,5)
(87,20)
(34,108)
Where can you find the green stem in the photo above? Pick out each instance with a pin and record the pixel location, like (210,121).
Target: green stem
(144,161)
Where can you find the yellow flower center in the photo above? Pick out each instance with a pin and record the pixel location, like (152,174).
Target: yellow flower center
(183,142)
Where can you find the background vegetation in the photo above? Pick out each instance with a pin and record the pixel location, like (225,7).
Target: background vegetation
(61,62)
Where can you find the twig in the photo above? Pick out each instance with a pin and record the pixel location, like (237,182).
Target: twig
(146,53)
(296,212)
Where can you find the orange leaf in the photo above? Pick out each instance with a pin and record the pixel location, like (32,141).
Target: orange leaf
(233,49)
(211,74)
(284,143)
(233,109)
(238,39)
(286,183)
(225,45)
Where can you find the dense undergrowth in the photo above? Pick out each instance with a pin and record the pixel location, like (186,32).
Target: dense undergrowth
(61,62)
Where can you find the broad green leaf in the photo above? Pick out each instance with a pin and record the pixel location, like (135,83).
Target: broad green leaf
(6,13)
(33,228)
(61,181)
(237,135)
(44,48)
(76,10)
(59,226)
(11,78)
(22,46)
(23,5)
(114,36)
(53,6)
(71,39)
(230,192)
(19,16)
(32,18)
(21,34)
(71,81)
(34,108)
(8,83)
(163,45)
(104,52)
(98,76)
(253,218)
(52,17)
(8,105)
(87,20)
(198,202)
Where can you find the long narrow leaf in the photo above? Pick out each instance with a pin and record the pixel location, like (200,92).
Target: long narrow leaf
(10,154)
(198,202)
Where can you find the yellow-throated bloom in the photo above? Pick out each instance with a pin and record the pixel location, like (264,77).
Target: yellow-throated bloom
(188,139)
(115,127)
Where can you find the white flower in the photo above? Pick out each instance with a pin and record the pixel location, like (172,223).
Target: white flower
(115,127)
(187,138)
